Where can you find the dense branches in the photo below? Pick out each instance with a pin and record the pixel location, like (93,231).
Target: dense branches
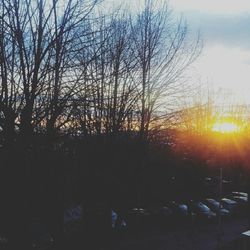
(66,69)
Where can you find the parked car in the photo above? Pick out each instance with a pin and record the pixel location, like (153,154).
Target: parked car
(163,211)
(138,217)
(182,213)
(161,216)
(138,212)
(230,205)
(240,199)
(202,211)
(116,221)
(242,203)
(180,210)
(216,207)
(236,193)
(114,218)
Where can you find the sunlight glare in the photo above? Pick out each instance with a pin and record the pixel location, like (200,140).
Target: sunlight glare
(225,127)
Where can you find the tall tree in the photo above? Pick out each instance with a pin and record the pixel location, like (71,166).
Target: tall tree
(163,53)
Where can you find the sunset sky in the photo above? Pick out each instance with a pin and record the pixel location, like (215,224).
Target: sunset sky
(225,29)
(224,25)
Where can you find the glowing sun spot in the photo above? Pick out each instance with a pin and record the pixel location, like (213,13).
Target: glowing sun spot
(225,127)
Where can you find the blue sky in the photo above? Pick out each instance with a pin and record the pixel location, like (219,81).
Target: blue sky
(225,28)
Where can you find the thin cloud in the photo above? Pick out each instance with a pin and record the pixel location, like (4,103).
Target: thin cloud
(233,7)
(227,30)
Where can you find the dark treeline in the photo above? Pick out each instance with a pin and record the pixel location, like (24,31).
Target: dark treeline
(81,98)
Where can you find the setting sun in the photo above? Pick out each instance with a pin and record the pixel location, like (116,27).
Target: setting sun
(225,127)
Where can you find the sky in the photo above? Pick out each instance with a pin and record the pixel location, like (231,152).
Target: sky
(224,64)
(225,28)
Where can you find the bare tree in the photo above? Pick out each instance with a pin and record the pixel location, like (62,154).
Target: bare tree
(109,92)
(163,53)
(42,37)
(38,42)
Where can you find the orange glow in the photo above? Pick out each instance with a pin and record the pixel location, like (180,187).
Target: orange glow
(226,127)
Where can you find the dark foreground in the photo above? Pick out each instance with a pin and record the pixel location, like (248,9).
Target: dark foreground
(203,237)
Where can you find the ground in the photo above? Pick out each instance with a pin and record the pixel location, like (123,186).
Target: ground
(203,237)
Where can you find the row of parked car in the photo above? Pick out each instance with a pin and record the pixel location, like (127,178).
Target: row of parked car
(164,215)
(173,212)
